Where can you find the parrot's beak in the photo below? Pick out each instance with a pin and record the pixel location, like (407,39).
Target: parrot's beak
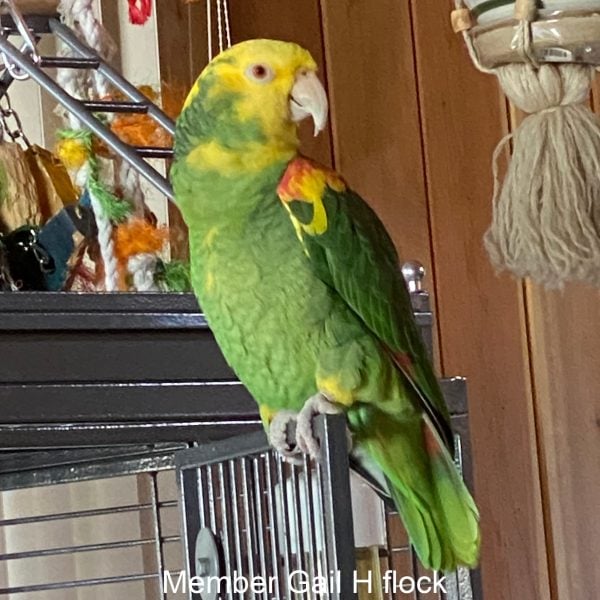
(308,99)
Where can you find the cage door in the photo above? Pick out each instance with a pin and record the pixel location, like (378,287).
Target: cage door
(255,526)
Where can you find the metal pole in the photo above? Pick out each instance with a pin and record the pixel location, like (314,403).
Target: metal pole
(76,107)
(69,38)
(337,504)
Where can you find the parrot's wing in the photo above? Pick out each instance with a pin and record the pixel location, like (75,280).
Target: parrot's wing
(350,250)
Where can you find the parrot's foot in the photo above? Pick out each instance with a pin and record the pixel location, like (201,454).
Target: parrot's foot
(279,436)
(319,404)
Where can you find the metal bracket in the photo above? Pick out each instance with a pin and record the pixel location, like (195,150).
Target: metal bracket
(207,563)
(24,63)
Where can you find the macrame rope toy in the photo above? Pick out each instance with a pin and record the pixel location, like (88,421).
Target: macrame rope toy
(546,213)
(80,16)
(138,244)
(76,149)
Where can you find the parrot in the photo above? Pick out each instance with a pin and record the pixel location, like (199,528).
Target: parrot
(300,284)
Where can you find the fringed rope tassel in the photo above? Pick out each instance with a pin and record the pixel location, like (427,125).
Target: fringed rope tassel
(546,222)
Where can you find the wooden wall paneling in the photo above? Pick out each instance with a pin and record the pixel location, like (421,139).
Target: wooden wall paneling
(565,344)
(177,41)
(596,92)
(198,38)
(481,316)
(174,42)
(375,115)
(565,347)
(109,14)
(298,21)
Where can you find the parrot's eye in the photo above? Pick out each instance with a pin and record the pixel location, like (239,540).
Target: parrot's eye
(260,73)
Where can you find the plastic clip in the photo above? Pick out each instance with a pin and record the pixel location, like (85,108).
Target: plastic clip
(29,44)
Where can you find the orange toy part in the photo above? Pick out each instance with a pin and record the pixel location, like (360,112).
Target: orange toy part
(138,236)
(142,130)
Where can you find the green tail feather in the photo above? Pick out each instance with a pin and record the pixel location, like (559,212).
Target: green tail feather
(438,511)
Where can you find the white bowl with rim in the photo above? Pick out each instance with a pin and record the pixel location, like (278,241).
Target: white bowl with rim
(489,11)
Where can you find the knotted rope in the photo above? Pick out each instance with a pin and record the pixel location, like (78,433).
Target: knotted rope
(546,213)
(80,16)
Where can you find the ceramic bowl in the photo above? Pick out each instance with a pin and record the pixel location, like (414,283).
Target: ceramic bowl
(490,11)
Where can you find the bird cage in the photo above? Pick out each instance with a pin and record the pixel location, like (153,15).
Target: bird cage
(107,483)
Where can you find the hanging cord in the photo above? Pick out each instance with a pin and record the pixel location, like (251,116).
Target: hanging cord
(209,28)
(462,22)
(223,24)
(227,24)
(220,24)
(107,245)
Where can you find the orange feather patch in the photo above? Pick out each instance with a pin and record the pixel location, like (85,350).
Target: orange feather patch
(302,177)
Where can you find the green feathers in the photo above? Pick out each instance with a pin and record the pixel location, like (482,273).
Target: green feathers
(300,284)
(435,506)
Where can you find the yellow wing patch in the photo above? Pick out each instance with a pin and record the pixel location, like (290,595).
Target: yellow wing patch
(267,414)
(332,387)
(306,181)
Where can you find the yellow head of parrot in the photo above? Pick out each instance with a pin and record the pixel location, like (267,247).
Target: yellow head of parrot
(266,85)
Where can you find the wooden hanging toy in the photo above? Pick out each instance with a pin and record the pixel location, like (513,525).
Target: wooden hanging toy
(546,214)
(36,235)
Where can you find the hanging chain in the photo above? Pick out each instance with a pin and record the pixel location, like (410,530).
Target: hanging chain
(9,7)
(7,112)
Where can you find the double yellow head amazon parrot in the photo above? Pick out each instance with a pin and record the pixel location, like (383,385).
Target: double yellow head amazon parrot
(300,284)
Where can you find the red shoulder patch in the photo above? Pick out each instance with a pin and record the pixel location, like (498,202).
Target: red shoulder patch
(297,171)
(304,179)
